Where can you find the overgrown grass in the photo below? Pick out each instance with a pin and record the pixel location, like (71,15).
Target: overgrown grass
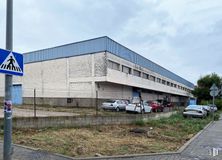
(140,122)
(177,120)
(177,126)
(165,134)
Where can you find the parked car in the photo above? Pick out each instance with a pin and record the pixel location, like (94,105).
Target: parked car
(156,106)
(165,103)
(213,107)
(195,111)
(137,108)
(116,105)
(208,109)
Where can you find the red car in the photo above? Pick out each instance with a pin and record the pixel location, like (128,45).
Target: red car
(156,106)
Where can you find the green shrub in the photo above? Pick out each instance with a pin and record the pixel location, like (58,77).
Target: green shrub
(140,123)
(218,103)
(216,116)
(205,102)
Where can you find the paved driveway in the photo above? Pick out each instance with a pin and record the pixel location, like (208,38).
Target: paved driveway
(40,113)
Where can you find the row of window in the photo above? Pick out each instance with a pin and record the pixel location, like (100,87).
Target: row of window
(128,70)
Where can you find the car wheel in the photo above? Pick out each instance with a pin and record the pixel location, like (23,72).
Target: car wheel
(142,112)
(117,109)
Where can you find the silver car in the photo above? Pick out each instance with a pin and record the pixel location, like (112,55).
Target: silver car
(213,107)
(116,105)
(136,108)
(195,111)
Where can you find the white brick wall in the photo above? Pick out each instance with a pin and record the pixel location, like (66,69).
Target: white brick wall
(48,77)
(77,76)
(80,66)
(114,91)
(2,85)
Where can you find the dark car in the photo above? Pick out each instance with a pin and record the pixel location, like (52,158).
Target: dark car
(165,103)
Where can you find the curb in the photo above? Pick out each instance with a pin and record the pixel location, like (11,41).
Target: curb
(125,156)
(193,138)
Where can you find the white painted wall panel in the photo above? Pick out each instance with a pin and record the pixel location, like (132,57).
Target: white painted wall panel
(81,90)
(48,77)
(114,91)
(80,66)
(2,85)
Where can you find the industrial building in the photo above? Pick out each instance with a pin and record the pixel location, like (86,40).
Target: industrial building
(76,74)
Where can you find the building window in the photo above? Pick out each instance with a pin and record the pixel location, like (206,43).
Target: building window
(158,80)
(136,73)
(171,84)
(164,82)
(113,65)
(175,85)
(126,69)
(168,83)
(152,78)
(146,76)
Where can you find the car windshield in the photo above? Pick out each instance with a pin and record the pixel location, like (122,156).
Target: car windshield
(194,107)
(110,101)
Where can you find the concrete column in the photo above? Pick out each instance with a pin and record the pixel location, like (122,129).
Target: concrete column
(93,88)
(67,77)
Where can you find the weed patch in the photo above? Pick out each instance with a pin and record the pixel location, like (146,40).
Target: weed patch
(165,134)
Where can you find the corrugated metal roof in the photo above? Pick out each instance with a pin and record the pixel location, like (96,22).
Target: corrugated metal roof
(98,45)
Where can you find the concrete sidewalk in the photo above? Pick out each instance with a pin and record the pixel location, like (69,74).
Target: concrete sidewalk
(206,145)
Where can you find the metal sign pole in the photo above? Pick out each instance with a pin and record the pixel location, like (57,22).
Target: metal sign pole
(213,107)
(8,87)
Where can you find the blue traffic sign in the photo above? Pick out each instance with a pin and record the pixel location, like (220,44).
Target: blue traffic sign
(11,63)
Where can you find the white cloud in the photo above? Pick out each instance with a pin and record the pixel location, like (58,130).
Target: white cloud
(183,36)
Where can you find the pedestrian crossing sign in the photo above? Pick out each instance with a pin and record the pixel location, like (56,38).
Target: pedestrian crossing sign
(11,63)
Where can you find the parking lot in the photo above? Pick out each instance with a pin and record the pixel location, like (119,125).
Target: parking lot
(47,111)
(17,112)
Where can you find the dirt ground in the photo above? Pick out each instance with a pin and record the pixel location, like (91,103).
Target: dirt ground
(100,140)
(45,111)
(153,136)
(17,112)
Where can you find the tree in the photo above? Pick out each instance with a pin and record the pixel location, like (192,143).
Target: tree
(202,91)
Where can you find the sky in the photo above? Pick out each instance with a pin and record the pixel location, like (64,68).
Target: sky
(183,36)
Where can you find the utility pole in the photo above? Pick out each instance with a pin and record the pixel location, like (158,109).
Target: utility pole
(214,92)
(8,86)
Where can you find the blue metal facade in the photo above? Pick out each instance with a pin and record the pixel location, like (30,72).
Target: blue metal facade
(17,94)
(99,45)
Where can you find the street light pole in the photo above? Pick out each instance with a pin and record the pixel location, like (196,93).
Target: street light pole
(8,86)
